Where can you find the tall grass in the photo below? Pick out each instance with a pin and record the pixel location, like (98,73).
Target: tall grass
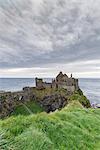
(72,128)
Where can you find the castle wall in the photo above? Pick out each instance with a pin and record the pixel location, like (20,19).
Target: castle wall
(76,84)
(39,83)
(71,88)
(61,81)
(68,88)
(47,85)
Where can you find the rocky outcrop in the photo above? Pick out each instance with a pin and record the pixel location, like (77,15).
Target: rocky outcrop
(7,104)
(53,102)
(49,100)
(8,101)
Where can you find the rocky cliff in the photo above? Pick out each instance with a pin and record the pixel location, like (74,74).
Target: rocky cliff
(49,99)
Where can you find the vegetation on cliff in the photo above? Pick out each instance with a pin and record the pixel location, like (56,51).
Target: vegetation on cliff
(49,100)
(78,96)
(31,100)
(27,109)
(74,127)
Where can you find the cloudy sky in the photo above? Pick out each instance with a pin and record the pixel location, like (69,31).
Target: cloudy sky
(42,37)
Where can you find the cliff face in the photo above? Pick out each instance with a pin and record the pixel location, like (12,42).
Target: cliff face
(8,100)
(53,102)
(7,104)
(49,99)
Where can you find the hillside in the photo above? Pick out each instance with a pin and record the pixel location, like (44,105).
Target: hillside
(72,128)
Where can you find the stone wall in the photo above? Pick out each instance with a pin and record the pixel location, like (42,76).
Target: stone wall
(68,88)
(61,81)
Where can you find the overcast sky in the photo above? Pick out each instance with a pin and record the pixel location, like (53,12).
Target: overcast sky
(43,37)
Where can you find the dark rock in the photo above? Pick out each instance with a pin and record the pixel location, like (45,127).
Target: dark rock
(53,102)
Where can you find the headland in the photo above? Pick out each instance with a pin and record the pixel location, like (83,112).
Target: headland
(50,96)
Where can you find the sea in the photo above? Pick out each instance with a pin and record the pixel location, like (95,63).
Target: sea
(90,87)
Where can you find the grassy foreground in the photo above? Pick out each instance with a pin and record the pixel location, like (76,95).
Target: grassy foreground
(72,128)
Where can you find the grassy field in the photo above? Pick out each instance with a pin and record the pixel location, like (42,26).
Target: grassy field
(72,128)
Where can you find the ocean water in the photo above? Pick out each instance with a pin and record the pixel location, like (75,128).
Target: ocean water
(90,87)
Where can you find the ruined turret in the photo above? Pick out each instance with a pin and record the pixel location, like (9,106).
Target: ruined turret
(39,83)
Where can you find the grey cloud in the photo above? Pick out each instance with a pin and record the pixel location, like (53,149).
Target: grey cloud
(39,34)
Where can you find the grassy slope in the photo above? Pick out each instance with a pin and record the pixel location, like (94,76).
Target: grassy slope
(81,98)
(72,128)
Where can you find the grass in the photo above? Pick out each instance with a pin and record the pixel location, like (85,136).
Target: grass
(81,98)
(32,106)
(72,128)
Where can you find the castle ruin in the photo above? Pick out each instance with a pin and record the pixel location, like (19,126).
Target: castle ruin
(61,81)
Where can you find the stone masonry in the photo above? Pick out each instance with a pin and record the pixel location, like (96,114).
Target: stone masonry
(61,81)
